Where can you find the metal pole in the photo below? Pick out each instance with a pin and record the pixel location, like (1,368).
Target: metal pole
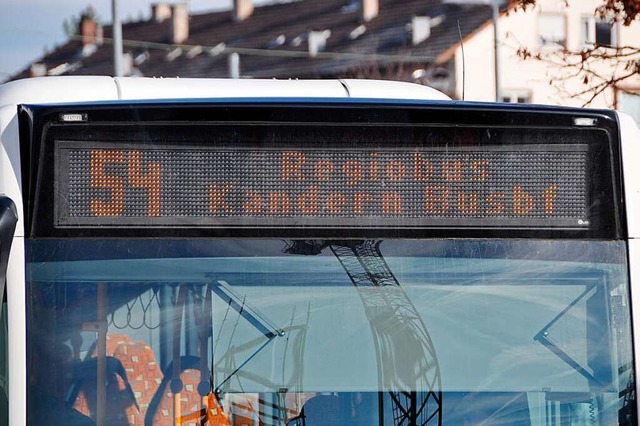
(166,317)
(101,355)
(496,56)
(117,40)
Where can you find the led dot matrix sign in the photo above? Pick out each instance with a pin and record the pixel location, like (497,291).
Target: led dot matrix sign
(296,168)
(283,186)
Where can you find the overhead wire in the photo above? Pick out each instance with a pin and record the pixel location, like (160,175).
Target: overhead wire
(222,49)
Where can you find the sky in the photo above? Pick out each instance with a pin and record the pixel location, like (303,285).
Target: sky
(28,27)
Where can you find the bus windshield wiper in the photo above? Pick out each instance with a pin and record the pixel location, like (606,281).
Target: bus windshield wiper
(542,337)
(239,304)
(256,319)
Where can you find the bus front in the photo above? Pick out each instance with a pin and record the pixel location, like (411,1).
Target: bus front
(325,262)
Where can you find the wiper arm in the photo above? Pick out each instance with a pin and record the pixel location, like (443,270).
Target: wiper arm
(241,366)
(259,321)
(542,338)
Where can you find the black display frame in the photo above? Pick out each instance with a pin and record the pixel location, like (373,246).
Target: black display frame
(136,121)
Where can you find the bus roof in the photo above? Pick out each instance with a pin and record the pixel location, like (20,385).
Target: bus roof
(89,88)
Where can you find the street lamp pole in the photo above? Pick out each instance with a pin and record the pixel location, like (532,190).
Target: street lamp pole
(117,40)
(496,48)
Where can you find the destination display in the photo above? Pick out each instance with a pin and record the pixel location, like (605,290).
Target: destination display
(143,185)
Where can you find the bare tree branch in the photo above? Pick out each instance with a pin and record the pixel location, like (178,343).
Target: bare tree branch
(599,67)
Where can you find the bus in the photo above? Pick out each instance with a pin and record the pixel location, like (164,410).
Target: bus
(301,253)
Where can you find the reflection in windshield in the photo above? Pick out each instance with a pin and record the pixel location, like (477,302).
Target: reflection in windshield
(405,356)
(451,332)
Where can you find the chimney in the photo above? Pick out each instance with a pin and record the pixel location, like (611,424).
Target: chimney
(234,65)
(368,10)
(160,12)
(127,64)
(317,41)
(37,69)
(88,29)
(242,9)
(100,35)
(179,28)
(420,29)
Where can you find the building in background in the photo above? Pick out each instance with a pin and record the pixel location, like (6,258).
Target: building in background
(390,39)
(409,40)
(552,75)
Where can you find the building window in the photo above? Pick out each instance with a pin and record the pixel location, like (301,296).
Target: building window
(552,30)
(597,32)
(630,103)
(516,97)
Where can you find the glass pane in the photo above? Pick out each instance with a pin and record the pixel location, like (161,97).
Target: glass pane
(551,30)
(461,332)
(603,33)
(587,29)
(630,104)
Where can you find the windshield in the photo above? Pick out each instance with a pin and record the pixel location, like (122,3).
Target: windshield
(394,332)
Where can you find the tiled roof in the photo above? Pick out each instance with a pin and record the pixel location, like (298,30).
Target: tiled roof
(278,29)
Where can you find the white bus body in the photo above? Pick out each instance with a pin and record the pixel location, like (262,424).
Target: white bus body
(106,91)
